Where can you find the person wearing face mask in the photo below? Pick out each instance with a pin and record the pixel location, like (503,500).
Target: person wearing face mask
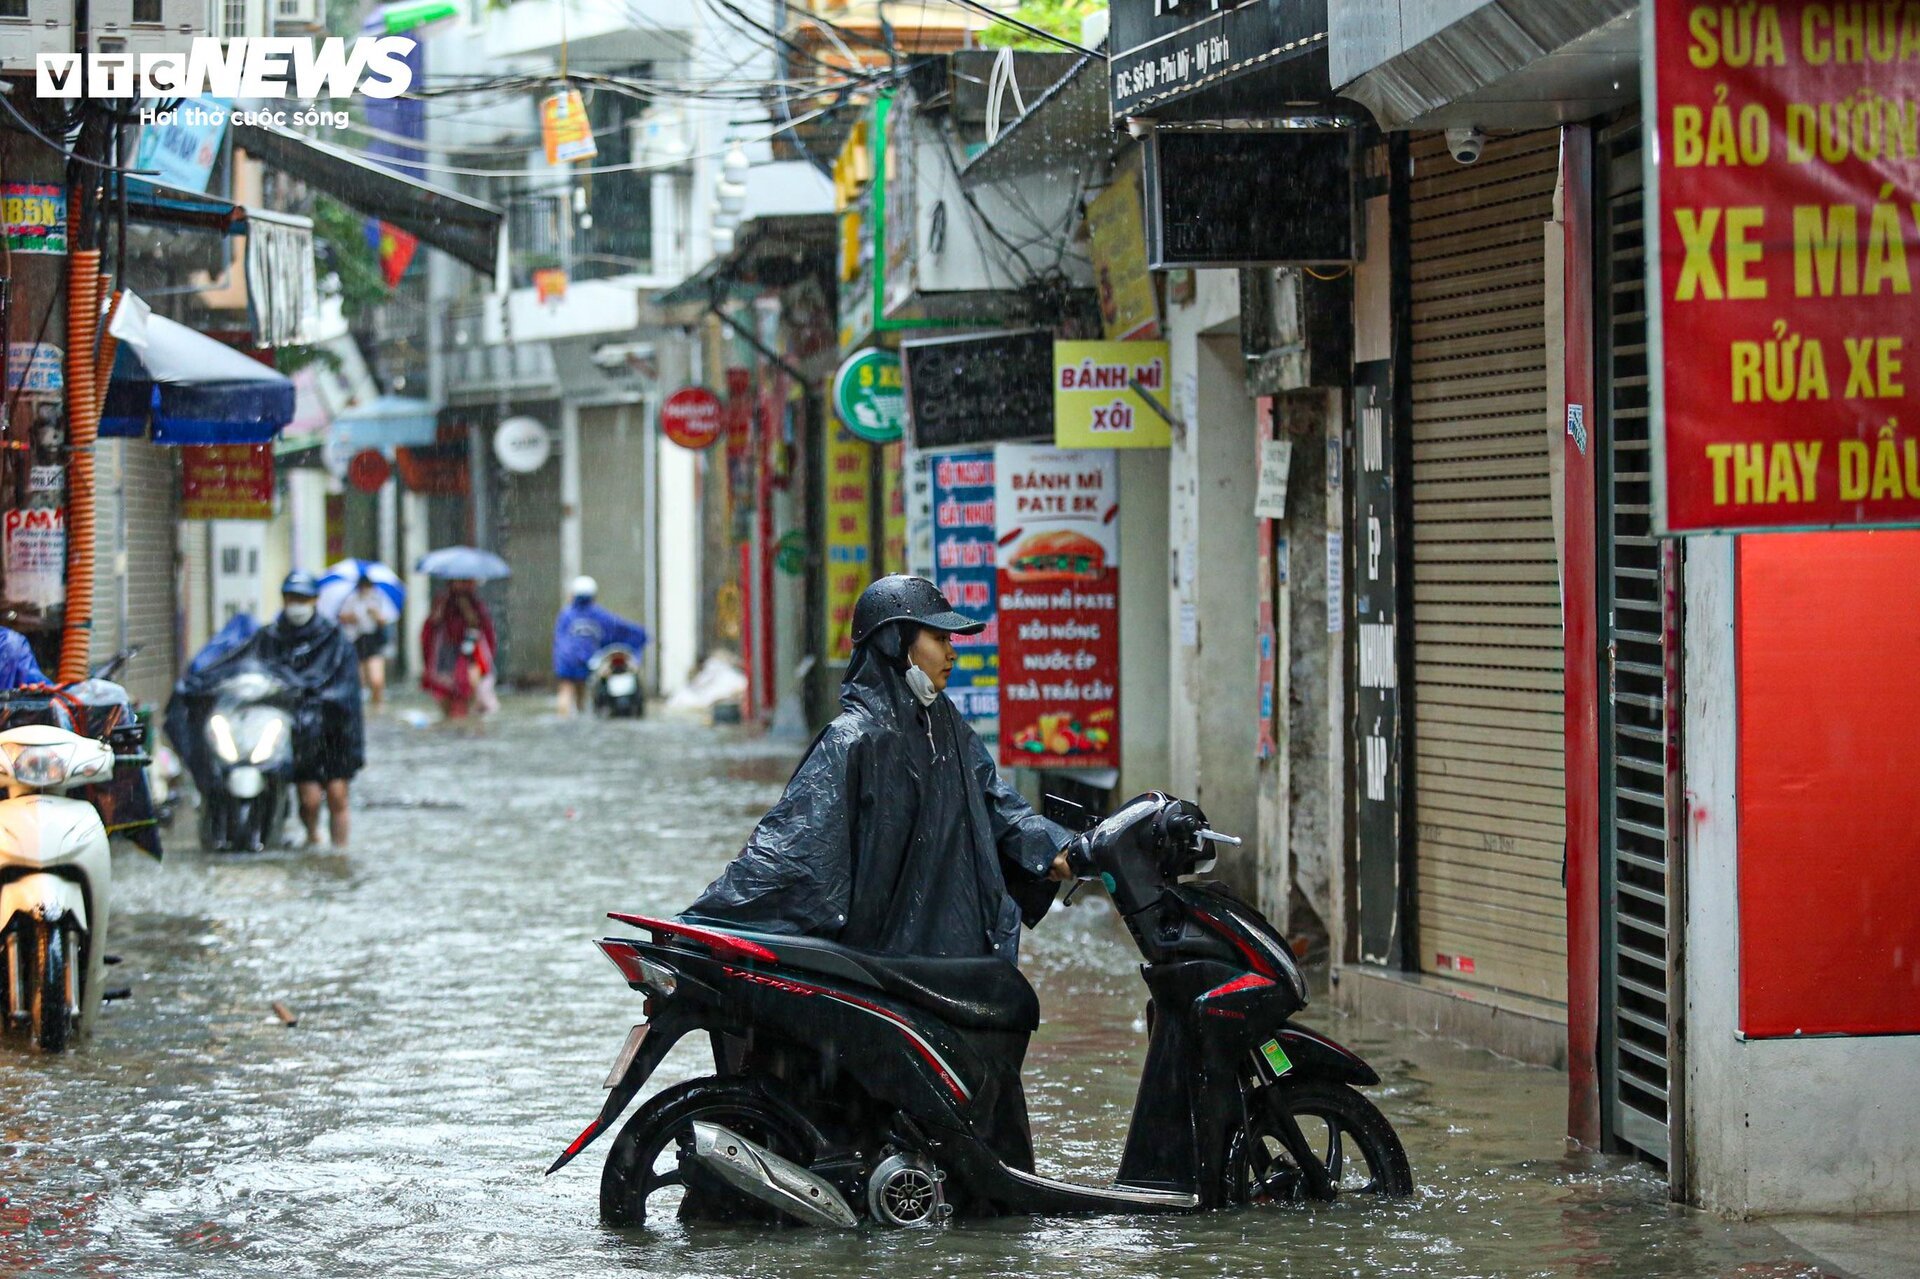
(329,736)
(897,834)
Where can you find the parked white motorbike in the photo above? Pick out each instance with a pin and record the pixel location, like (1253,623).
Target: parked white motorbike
(55,876)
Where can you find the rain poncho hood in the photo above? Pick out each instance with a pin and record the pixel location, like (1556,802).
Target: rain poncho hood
(315,659)
(18,668)
(895,834)
(582,629)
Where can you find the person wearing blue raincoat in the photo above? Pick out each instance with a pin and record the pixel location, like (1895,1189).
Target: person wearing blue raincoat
(18,668)
(582,629)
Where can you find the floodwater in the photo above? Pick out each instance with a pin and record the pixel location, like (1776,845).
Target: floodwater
(455,1023)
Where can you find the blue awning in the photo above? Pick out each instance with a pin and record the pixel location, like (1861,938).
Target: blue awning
(391,421)
(186,388)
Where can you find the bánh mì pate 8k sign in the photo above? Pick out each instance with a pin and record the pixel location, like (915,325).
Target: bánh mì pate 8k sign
(1784,241)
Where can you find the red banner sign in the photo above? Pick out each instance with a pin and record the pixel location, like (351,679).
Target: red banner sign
(690,417)
(1059,598)
(1786,234)
(226,482)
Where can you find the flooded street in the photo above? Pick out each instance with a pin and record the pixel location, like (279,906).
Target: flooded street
(455,1023)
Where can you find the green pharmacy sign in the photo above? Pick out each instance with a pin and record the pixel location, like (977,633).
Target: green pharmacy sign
(869,397)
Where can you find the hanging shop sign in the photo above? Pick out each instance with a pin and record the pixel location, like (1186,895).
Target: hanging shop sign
(36,216)
(849,498)
(965,566)
(1111,395)
(1058,578)
(893,508)
(565,131)
(367,471)
(920,514)
(868,396)
(690,417)
(179,147)
(36,560)
(1162,51)
(979,389)
(550,285)
(790,552)
(1117,243)
(1785,248)
(1211,200)
(522,444)
(226,482)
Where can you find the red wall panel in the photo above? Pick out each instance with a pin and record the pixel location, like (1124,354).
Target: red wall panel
(1828,639)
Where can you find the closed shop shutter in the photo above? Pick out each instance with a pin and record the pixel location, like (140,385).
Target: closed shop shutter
(613,506)
(136,510)
(1490,795)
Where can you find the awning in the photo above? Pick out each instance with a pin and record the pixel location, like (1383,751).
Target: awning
(186,388)
(156,205)
(392,421)
(467,229)
(768,253)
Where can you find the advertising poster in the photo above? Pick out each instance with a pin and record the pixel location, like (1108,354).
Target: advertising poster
(965,568)
(1788,174)
(1058,576)
(1117,238)
(849,518)
(565,131)
(36,216)
(36,559)
(226,482)
(1095,403)
(181,146)
(893,508)
(36,366)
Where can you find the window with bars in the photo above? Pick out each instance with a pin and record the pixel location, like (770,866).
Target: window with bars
(148,11)
(13,8)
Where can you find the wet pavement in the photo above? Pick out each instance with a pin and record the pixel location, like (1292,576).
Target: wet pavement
(455,1024)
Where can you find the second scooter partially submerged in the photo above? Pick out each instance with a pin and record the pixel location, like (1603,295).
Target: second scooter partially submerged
(851,1085)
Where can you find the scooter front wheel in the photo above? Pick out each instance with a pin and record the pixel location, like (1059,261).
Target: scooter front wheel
(1314,1140)
(52,987)
(645,1158)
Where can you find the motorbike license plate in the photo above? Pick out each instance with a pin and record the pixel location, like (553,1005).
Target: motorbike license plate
(628,1051)
(622,685)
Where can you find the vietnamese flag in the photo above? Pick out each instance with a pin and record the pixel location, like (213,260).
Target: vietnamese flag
(395,249)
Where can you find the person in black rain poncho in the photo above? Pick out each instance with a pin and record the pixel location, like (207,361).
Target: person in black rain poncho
(329,734)
(896,833)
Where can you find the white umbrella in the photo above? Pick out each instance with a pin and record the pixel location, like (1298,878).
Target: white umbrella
(341,579)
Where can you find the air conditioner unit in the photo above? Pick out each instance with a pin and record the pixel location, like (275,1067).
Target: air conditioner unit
(31,27)
(297,13)
(145,26)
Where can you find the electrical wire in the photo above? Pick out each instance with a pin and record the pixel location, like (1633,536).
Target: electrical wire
(6,100)
(1040,33)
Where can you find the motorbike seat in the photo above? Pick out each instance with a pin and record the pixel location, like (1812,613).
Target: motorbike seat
(970,994)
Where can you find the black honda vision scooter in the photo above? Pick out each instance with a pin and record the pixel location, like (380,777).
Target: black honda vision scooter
(850,1084)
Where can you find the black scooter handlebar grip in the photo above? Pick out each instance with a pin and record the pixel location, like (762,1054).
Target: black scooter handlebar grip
(1079,852)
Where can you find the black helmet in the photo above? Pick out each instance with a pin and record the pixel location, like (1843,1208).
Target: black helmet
(300,583)
(900,598)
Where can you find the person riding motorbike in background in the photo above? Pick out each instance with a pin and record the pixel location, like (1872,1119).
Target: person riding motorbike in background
(897,833)
(582,629)
(329,743)
(457,648)
(18,668)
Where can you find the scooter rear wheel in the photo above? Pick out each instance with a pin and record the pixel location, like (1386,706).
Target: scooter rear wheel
(644,1159)
(1337,1128)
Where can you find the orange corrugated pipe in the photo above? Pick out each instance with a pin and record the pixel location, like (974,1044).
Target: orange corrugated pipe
(83,427)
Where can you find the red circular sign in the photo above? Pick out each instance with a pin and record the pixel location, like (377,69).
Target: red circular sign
(368,471)
(690,417)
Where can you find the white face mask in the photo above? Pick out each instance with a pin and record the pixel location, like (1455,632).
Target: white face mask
(298,614)
(922,684)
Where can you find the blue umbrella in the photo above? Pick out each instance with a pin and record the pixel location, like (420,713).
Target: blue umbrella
(341,579)
(464,561)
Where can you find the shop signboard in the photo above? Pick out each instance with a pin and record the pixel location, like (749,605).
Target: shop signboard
(849,534)
(1110,395)
(1058,579)
(690,417)
(565,131)
(1210,199)
(979,389)
(1117,243)
(1782,267)
(226,482)
(893,508)
(965,565)
(1161,51)
(179,148)
(868,396)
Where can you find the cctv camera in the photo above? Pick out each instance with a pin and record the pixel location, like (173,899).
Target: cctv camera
(1466,144)
(1139,126)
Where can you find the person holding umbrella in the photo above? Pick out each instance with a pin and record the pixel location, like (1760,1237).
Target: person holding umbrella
(364,597)
(457,645)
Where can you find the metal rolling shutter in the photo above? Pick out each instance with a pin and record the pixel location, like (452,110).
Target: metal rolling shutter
(1639,744)
(135,520)
(1490,795)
